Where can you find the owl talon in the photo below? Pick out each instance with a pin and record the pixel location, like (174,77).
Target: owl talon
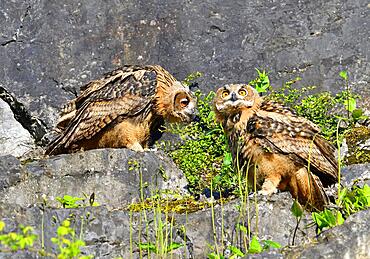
(267,192)
(154,149)
(268,188)
(136,147)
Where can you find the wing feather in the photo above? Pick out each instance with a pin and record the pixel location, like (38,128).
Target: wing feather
(120,94)
(296,137)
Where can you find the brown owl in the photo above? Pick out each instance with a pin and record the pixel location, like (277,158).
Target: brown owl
(269,141)
(125,108)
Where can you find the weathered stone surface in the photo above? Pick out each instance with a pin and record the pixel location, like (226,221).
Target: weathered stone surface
(358,174)
(107,231)
(50,48)
(114,175)
(350,240)
(14,139)
(10,172)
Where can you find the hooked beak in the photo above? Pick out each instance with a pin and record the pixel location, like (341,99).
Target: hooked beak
(233,97)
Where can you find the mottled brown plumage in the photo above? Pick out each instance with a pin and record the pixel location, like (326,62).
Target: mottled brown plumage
(125,108)
(284,150)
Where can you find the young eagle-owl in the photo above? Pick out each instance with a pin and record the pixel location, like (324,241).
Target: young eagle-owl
(125,108)
(285,151)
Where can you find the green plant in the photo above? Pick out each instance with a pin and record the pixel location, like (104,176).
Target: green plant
(17,241)
(71,202)
(68,243)
(349,202)
(327,219)
(262,82)
(354,200)
(203,155)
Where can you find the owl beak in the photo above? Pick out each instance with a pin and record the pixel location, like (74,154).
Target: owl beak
(233,97)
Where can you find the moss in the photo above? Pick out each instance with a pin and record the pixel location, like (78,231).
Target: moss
(183,205)
(356,138)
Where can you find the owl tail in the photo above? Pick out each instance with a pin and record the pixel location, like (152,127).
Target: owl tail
(55,147)
(311,193)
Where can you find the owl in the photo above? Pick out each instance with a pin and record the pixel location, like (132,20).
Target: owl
(123,109)
(277,149)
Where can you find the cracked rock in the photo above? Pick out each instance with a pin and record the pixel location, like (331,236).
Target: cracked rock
(14,139)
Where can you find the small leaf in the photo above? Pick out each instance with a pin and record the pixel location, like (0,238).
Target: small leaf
(340,219)
(227,159)
(148,246)
(357,113)
(350,104)
(54,240)
(297,209)
(236,251)
(242,228)
(174,246)
(343,74)
(271,244)
(2,225)
(62,231)
(254,246)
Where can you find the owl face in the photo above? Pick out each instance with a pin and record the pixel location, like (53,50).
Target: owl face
(235,97)
(184,104)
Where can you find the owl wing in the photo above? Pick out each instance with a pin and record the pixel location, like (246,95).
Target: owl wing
(123,93)
(298,138)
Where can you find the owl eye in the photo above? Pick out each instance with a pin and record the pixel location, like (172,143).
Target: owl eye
(225,94)
(242,92)
(184,102)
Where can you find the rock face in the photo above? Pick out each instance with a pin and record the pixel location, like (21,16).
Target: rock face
(111,230)
(14,139)
(48,49)
(127,174)
(350,240)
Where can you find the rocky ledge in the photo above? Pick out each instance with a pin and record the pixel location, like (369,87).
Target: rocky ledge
(121,177)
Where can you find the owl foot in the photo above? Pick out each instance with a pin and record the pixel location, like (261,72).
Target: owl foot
(268,188)
(154,149)
(136,147)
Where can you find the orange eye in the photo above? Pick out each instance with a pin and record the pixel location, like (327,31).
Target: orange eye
(242,92)
(184,102)
(225,94)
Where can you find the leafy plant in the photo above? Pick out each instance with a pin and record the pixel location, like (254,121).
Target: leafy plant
(262,82)
(327,219)
(203,153)
(71,202)
(256,247)
(154,249)
(68,243)
(17,241)
(349,202)
(354,200)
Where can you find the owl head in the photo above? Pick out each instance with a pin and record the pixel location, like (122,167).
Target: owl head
(234,98)
(178,104)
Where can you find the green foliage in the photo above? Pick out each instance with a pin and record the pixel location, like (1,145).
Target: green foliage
(68,243)
(16,241)
(148,246)
(256,247)
(71,202)
(191,77)
(349,202)
(327,219)
(354,200)
(297,209)
(262,82)
(203,153)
